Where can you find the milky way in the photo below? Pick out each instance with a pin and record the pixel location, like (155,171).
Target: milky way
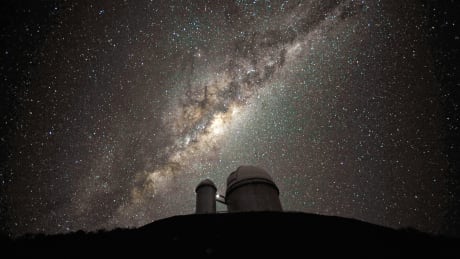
(200,118)
(117,110)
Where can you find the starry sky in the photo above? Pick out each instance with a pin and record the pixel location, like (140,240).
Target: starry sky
(113,111)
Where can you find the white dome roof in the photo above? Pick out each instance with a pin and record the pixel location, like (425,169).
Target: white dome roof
(246,173)
(205,182)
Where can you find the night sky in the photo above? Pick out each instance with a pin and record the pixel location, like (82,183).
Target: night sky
(112,112)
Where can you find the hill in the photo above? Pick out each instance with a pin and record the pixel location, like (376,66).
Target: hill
(240,234)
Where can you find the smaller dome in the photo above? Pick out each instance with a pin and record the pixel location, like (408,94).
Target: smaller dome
(206,182)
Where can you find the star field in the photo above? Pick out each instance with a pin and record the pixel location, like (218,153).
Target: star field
(113,112)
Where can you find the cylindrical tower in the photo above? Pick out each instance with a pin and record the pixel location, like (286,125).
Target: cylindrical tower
(251,188)
(205,197)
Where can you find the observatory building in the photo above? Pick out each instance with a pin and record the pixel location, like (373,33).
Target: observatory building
(205,197)
(249,188)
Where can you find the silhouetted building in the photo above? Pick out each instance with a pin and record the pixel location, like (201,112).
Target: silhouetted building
(250,188)
(206,197)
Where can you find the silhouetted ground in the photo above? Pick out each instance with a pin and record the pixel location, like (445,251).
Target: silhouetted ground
(240,235)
